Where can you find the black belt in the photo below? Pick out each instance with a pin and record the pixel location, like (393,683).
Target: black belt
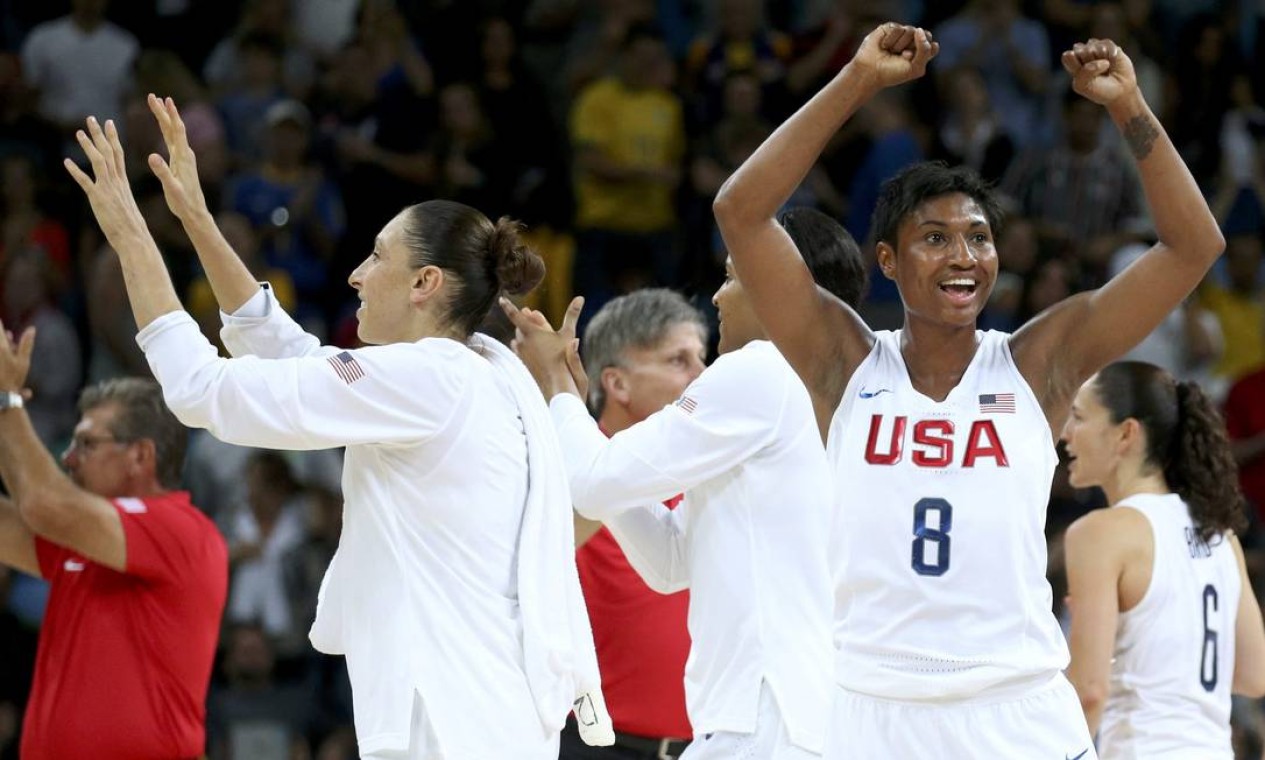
(660,749)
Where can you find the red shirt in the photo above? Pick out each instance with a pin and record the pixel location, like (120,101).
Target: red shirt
(641,641)
(1244,418)
(125,658)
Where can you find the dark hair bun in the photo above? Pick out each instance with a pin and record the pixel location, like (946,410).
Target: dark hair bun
(518,268)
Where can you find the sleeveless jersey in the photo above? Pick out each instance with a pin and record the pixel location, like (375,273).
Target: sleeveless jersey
(1174,655)
(941,590)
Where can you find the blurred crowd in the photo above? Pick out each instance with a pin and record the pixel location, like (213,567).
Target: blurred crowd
(607,126)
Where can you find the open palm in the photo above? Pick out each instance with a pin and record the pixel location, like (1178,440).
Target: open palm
(179,173)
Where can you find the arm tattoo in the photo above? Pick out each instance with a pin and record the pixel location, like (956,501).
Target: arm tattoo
(1140,133)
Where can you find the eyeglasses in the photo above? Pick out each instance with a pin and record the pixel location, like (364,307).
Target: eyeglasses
(87,444)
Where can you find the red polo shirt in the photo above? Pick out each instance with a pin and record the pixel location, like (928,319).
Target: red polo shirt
(125,658)
(641,641)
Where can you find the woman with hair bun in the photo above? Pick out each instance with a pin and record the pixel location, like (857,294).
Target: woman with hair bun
(1165,625)
(453,593)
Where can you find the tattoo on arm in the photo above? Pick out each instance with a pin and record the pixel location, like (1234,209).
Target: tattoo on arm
(1140,133)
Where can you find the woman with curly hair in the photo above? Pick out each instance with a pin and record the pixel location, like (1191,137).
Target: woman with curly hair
(1164,621)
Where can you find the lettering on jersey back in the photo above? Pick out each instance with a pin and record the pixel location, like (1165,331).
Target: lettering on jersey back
(1199,548)
(933,444)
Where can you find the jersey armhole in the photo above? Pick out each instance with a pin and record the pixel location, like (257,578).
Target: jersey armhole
(1149,596)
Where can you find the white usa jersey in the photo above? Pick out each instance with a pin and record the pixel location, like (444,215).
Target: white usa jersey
(941,578)
(1174,658)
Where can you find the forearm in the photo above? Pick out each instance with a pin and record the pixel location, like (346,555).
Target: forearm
(231,282)
(766,180)
(1182,218)
(26,466)
(149,287)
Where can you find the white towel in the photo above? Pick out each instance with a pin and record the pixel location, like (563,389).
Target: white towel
(558,648)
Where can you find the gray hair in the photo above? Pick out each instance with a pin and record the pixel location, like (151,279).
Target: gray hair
(638,320)
(142,414)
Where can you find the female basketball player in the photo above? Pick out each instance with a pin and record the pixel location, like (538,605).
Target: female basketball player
(1164,622)
(457,646)
(942,436)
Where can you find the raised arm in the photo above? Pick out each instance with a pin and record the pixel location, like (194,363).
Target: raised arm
(1062,347)
(231,282)
(45,502)
(145,275)
(822,338)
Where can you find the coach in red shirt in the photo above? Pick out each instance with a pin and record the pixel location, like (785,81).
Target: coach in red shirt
(641,351)
(138,575)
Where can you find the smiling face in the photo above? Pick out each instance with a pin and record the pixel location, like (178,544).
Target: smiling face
(384,282)
(738,323)
(1091,439)
(947,262)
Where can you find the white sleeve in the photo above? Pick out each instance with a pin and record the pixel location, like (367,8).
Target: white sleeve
(260,327)
(653,540)
(401,393)
(729,413)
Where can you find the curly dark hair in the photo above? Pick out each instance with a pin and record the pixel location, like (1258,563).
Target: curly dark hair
(1185,436)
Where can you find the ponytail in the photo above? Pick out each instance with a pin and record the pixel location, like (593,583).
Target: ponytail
(1186,437)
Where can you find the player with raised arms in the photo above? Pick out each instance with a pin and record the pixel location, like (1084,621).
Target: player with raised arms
(941,436)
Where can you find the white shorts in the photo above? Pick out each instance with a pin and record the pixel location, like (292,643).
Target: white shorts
(769,742)
(1046,724)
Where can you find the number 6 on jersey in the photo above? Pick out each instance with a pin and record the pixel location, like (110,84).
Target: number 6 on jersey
(931,545)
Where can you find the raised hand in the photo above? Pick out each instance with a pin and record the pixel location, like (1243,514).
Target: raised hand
(108,190)
(894,53)
(550,355)
(15,361)
(178,174)
(1101,71)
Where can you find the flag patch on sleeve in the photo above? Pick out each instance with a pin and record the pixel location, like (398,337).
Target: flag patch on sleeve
(997,403)
(346,366)
(687,404)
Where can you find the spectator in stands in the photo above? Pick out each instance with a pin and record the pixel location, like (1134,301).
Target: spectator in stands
(138,574)
(252,717)
(971,133)
(1012,53)
(640,351)
(628,135)
(258,539)
(739,40)
(472,164)
(25,224)
(243,104)
(1084,194)
(56,372)
(225,67)
(1239,306)
(1245,422)
(80,65)
(297,212)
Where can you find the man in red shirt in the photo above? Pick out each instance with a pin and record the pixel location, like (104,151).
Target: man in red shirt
(641,351)
(138,575)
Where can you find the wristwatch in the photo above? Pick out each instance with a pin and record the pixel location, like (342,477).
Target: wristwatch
(11,400)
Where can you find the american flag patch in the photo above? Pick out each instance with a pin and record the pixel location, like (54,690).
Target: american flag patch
(346,366)
(687,404)
(997,403)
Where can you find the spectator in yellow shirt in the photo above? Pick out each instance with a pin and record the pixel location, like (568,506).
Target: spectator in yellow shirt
(628,134)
